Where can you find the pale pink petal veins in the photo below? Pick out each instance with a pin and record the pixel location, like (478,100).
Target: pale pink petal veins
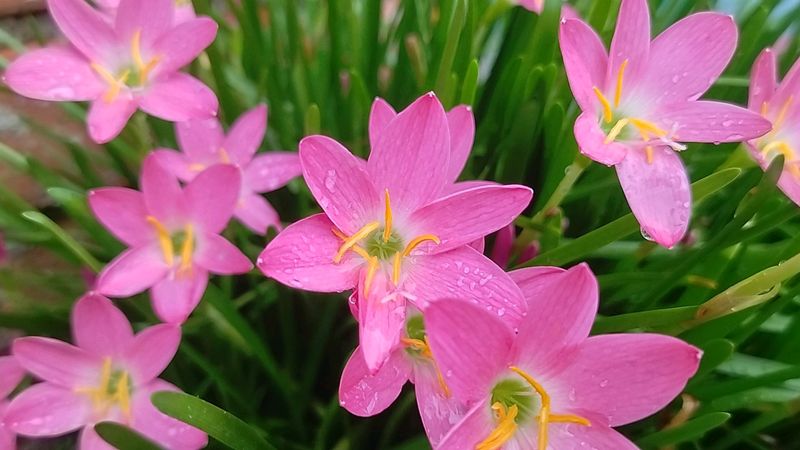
(179,97)
(182,44)
(579,437)
(123,213)
(99,327)
(710,121)
(270,171)
(658,193)
(201,140)
(132,271)
(54,73)
(176,296)
(439,410)
(159,427)
(45,409)
(85,28)
(379,117)
(366,394)
(763,79)
(55,361)
(631,40)
(585,61)
(11,373)
(591,141)
(175,163)
(211,197)
(150,352)
(257,214)
(161,191)
(461,122)
(107,119)
(217,255)
(246,134)
(476,426)
(381,315)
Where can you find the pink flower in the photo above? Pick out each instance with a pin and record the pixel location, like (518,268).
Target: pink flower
(108,376)
(640,102)
(390,228)
(184,11)
(173,235)
(204,144)
(532,5)
(550,385)
(777,103)
(10,376)
(132,63)
(503,249)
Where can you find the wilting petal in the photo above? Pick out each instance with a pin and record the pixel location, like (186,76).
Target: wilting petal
(175,297)
(182,44)
(585,61)
(470,345)
(85,28)
(99,327)
(411,158)
(379,117)
(55,361)
(200,140)
(763,79)
(476,426)
(591,141)
(107,119)
(626,377)
(272,170)
(257,214)
(338,181)
(45,409)
(460,218)
(132,272)
(151,351)
(159,427)
(122,212)
(246,134)
(54,73)
(631,40)
(161,191)
(438,409)
(175,163)
(365,394)
(212,197)
(11,373)
(709,121)
(217,255)
(658,193)
(179,97)
(381,315)
(461,122)
(571,436)
(301,256)
(687,58)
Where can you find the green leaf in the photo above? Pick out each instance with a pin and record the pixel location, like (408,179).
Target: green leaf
(691,430)
(643,320)
(124,438)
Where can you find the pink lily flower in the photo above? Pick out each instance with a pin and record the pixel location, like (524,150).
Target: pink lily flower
(387,229)
(204,144)
(184,11)
(10,375)
(504,247)
(550,385)
(108,376)
(640,104)
(132,63)
(777,103)
(173,235)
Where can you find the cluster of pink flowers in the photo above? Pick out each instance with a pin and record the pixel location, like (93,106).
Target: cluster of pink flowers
(498,359)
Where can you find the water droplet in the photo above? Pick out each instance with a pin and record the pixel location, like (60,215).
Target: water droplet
(330,180)
(604,383)
(646,235)
(501,312)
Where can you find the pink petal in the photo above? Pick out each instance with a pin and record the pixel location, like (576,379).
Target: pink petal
(99,327)
(246,134)
(379,117)
(438,409)
(476,426)
(364,394)
(183,43)
(412,156)
(567,303)
(53,73)
(11,373)
(257,214)
(149,17)
(90,440)
(85,28)
(179,97)
(107,119)
(8,440)
(591,141)
(789,184)
(658,193)
(175,163)
(585,61)
(301,256)
(56,361)
(338,181)
(133,271)
(151,351)
(689,56)
(45,409)
(631,40)
(381,316)
(571,436)
(175,297)
(532,5)
(270,171)
(461,122)
(626,377)
(470,345)
(460,218)
(503,245)
(788,87)
(200,140)
(479,245)
(159,427)
(162,193)
(123,213)
(211,197)
(215,254)
(763,79)
(464,185)
(709,121)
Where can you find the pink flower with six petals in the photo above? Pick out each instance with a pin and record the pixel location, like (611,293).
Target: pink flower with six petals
(10,375)
(184,11)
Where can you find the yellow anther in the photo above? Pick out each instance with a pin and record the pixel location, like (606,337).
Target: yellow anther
(372,267)
(396,266)
(645,126)
(351,241)
(620,76)
(144,68)
(422,346)
(782,114)
(505,429)
(356,248)
(197,167)
(164,240)
(615,131)
(224,157)
(187,249)
(106,394)
(569,418)
(648,151)
(387,230)
(419,240)
(114,84)
(764,108)
(608,115)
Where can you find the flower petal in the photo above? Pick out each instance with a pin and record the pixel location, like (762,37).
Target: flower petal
(658,193)
(183,43)
(301,256)
(123,213)
(470,345)
(53,73)
(338,181)
(270,171)
(411,158)
(85,28)
(211,197)
(631,40)
(179,97)
(45,409)
(257,214)
(175,297)
(107,119)
(626,377)
(151,18)
(461,123)
(476,426)
(763,79)
(503,245)
(379,117)
(465,216)
(788,88)
(438,409)
(381,316)
(161,191)
(133,271)
(159,427)
(175,163)
(585,62)
(55,361)
(200,139)
(11,373)
(709,121)
(90,440)
(246,134)
(99,327)
(570,436)
(215,254)
(591,141)
(365,394)
(151,351)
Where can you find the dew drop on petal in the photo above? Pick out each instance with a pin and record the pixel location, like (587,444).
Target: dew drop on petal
(646,235)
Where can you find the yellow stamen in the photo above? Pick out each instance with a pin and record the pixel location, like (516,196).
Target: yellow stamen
(114,84)
(396,266)
(371,269)
(224,157)
(620,75)
(187,250)
(764,108)
(505,429)
(782,114)
(569,418)
(164,240)
(615,131)
(102,396)
(356,248)
(608,115)
(353,240)
(649,154)
(387,230)
(425,350)
(645,126)
(144,68)
(419,240)
(197,167)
